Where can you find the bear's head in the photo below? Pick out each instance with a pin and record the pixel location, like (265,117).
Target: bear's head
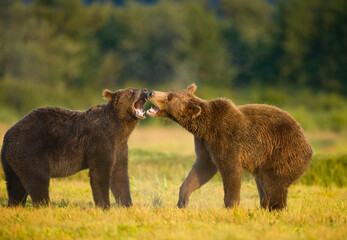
(176,105)
(128,103)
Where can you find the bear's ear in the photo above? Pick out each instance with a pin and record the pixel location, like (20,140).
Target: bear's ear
(191,88)
(194,111)
(107,94)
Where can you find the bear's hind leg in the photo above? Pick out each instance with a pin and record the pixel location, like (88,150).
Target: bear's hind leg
(38,189)
(278,199)
(35,176)
(276,191)
(17,194)
(264,202)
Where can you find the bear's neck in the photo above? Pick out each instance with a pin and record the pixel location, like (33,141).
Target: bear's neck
(213,120)
(199,125)
(122,124)
(195,126)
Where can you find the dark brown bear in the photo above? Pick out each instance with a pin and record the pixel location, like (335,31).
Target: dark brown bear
(53,142)
(261,139)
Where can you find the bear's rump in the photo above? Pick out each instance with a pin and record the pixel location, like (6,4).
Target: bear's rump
(288,153)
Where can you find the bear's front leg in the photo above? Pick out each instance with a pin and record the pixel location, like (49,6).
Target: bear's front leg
(231,172)
(100,182)
(202,171)
(119,178)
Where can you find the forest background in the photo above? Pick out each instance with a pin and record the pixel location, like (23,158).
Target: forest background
(289,53)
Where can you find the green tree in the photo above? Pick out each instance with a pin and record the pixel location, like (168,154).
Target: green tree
(244,30)
(308,45)
(169,42)
(207,50)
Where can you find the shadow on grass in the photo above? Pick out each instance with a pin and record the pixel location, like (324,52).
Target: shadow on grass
(58,204)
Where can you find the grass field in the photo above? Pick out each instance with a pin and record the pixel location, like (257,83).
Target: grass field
(160,159)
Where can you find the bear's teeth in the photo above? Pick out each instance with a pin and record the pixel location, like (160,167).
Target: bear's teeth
(153,110)
(139,112)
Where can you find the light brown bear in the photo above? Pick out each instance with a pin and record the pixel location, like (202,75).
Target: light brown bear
(261,139)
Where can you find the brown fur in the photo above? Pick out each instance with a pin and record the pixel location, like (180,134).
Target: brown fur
(261,139)
(54,142)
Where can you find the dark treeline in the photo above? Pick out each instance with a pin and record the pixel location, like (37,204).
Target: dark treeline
(67,44)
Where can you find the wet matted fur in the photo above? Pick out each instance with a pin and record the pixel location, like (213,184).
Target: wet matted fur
(53,142)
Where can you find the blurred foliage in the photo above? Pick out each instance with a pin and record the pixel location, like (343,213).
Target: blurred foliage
(327,171)
(289,53)
(307,45)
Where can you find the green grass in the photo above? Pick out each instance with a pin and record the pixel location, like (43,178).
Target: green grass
(316,209)
(307,219)
(327,171)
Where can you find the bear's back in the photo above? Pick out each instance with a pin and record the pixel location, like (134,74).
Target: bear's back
(39,124)
(262,114)
(271,125)
(58,134)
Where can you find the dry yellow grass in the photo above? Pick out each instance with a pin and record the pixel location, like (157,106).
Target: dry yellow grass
(328,142)
(170,139)
(160,158)
(314,213)
(3,128)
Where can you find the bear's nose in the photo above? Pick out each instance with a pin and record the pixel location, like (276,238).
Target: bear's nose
(151,94)
(145,90)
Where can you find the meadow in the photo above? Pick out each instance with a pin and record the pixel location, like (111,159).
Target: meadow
(159,160)
(290,54)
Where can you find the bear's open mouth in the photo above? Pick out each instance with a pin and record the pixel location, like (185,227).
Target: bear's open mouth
(152,111)
(138,106)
